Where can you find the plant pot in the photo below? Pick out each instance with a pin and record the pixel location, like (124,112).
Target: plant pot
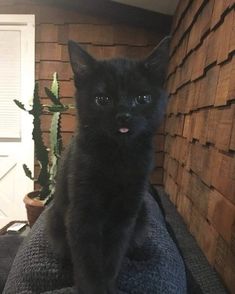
(34,207)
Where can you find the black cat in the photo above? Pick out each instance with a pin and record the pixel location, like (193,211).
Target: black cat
(99,210)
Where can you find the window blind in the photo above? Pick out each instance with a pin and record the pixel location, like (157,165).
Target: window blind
(10,84)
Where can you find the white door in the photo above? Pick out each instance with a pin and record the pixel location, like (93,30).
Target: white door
(17,39)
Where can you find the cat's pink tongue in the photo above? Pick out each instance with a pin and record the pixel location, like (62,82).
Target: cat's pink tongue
(123,130)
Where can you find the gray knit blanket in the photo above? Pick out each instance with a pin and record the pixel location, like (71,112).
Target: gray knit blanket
(156,267)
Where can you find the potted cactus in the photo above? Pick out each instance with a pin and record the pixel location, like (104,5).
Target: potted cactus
(47,156)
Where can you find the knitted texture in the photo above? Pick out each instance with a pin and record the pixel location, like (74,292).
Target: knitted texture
(156,267)
(8,248)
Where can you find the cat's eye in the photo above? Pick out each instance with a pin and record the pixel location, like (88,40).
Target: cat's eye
(143,99)
(102,100)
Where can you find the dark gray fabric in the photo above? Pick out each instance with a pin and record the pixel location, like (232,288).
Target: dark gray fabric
(9,245)
(154,268)
(202,273)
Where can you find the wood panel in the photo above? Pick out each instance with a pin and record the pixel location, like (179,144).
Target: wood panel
(200,179)
(105,33)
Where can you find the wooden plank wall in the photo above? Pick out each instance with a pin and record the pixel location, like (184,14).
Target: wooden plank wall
(102,37)
(199,166)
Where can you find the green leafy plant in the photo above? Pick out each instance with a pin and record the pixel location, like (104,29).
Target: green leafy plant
(47,156)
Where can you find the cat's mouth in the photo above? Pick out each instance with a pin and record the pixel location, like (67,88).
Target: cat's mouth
(123,130)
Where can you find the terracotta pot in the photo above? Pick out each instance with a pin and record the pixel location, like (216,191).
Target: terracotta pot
(34,207)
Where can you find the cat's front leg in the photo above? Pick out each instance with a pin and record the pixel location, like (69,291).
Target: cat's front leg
(57,233)
(85,241)
(116,243)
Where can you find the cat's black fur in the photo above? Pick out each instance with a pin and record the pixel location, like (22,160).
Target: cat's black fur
(98,210)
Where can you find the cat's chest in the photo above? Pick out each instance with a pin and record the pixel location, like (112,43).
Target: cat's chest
(112,168)
(123,165)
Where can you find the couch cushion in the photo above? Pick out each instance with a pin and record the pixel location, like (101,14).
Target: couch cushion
(9,245)
(159,270)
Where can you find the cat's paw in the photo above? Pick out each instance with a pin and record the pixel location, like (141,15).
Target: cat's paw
(111,289)
(138,254)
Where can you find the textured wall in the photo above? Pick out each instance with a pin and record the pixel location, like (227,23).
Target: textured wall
(199,166)
(103,37)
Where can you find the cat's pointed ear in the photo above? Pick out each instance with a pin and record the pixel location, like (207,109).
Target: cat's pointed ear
(157,61)
(80,60)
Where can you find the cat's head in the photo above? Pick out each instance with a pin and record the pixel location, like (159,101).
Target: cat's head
(120,98)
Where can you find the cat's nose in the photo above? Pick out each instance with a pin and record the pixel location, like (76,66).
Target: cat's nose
(123,117)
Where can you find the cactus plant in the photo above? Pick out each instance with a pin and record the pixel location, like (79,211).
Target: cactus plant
(46,156)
